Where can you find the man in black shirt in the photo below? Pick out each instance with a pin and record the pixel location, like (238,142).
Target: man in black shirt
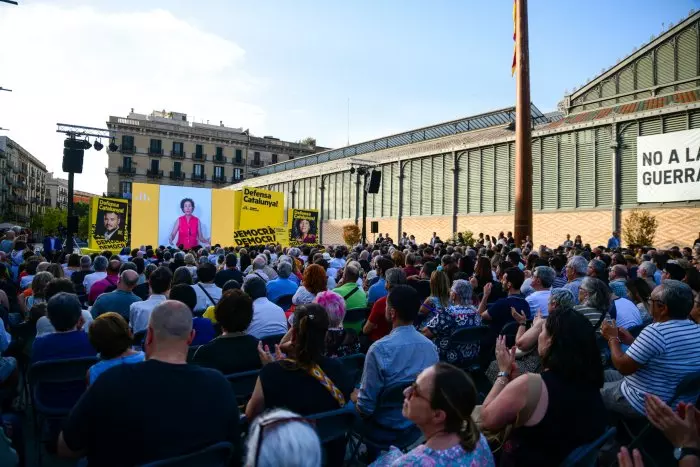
(229,273)
(139,413)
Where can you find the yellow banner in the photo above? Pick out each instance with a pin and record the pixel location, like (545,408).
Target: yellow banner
(109,225)
(223,219)
(261,214)
(145,202)
(303,227)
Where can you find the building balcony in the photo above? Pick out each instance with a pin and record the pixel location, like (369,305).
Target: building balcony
(127,149)
(126,171)
(238,161)
(199,177)
(220,159)
(118,194)
(156,152)
(154,173)
(238,179)
(177,154)
(199,157)
(219,179)
(21,184)
(255,163)
(177,175)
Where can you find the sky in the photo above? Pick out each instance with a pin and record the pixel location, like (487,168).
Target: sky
(288,69)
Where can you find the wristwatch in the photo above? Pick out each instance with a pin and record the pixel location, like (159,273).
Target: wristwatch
(680,453)
(503,374)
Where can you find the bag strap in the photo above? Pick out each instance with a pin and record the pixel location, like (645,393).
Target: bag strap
(351,293)
(319,375)
(206,293)
(534,389)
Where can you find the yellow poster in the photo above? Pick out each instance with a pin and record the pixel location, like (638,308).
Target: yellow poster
(145,204)
(303,227)
(261,214)
(109,225)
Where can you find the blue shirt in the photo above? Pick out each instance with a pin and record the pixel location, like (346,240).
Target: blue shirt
(103,365)
(395,358)
(657,277)
(59,345)
(618,287)
(377,291)
(204,331)
(613,243)
(279,287)
(118,301)
(573,287)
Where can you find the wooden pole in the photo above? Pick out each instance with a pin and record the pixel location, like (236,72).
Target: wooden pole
(523,126)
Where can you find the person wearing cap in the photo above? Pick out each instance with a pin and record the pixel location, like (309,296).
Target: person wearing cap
(281,286)
(673,271)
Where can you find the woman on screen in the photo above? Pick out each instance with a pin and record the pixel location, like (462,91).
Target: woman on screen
(188,228)
(305,231)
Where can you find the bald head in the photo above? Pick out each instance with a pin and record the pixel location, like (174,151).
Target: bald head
(128,279)
(171,321)
(113,267)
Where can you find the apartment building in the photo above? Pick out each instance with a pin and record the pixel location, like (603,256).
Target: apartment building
(57,191)
(22,183)
(167,149)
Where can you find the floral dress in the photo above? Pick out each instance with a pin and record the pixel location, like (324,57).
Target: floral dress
(444,324)
(423,456)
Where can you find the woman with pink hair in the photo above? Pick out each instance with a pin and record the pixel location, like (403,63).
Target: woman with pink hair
(339,341)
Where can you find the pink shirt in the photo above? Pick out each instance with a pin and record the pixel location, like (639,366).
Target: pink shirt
(188,231)
(100,286)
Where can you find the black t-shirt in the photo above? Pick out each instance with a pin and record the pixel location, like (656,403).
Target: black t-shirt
(139,413)
(300,392)
(77,279)
(226,275)
(229,354)
(422,287)
(142,291)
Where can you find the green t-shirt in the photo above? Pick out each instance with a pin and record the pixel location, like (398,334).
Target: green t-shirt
(356,300)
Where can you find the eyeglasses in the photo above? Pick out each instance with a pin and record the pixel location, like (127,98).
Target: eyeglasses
(273,422)
(656,300)
(412,391)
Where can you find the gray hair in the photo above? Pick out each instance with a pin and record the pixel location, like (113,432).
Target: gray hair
(463,289)
(179,256)
(563,298)
(203,260)
(599,267)
(648,266)
(285,259)
(290,443)
(85,261)
(619,270)
(100,264)
(351,273)
(148,270)
(259,262)
(43,266)
(284,269)
(395,276)
(677,296)
(546,275)
(171,320)
(598,294)
(294,252)
(578,264)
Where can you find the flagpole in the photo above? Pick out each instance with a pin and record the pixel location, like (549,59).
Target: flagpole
(523,128)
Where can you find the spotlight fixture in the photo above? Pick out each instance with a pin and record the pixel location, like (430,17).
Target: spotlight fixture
(86,144)
(98,145)
(352,170)
(113,146)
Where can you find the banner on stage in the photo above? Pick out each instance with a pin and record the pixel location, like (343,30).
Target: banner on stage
(260,217)
(303,227)
(668,167)
(109,224)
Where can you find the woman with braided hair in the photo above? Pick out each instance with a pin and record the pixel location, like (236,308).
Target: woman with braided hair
(440,403)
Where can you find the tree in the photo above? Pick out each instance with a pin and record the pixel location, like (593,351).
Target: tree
(309,141)
(351,234)
(640,228)
(51,219)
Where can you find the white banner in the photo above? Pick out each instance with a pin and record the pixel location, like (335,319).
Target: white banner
(668,167)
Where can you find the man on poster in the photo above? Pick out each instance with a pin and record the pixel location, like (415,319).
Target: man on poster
(111,223)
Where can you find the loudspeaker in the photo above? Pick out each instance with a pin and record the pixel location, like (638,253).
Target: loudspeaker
(374,227)
(373,182)
(73,152)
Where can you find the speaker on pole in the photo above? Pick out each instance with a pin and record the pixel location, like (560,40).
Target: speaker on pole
(373,181)
(374,227)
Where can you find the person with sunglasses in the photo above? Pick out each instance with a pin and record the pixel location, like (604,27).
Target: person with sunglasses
(281,437)
(440,403)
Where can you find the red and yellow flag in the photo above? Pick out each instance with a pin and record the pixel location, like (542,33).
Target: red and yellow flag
(515,44)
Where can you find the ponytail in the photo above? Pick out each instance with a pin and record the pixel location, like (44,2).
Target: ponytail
(469,435)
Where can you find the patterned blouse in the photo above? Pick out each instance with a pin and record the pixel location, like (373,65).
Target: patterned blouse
(444,324)
(423,456)
(341,342)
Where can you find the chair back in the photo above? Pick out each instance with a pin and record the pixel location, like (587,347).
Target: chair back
(139,338)
(689,386)
(510,330)
(469,335)
(587,455)
(284,302)
(392,397)
(354,365)
(65,378)
(334,424)
(216,455)
(354,318)
(271,341)
(243,384)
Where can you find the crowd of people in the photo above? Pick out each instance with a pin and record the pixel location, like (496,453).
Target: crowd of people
(575,337)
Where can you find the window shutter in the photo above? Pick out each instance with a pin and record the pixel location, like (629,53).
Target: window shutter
(567,171)
(536,174)
(650,126)
(549,172)
(626,83)
(628,164)
(487,179)
(603,167)
(675,122)
(585,169)
(665,64)
(502,178)
(474,184)
(415,188)
(447,184)
(688,57)
(463,184)
(645,76)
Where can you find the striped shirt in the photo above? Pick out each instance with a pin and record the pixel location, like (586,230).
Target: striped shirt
(667,352)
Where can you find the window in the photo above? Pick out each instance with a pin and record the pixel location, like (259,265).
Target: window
(239,155)
(155,165)
(126,163)
(291,156)
(219,152)
(218,171)
(274,158)
(156,145)
(125,187)
(256,158)
(177,148)
(177,167)
(127,142)
(236,174)
(198,169)
(198,150)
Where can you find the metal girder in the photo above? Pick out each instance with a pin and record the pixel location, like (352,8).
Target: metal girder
(77,130)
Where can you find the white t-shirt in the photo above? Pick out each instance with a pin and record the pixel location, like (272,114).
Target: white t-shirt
(268,319)
(667,352)
(538,300)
